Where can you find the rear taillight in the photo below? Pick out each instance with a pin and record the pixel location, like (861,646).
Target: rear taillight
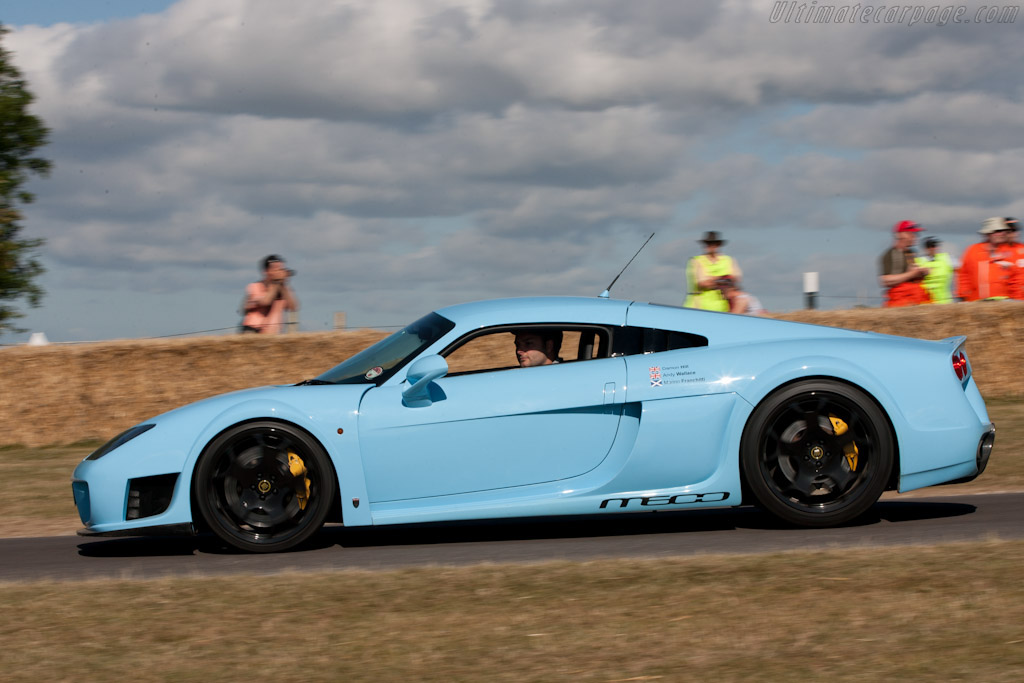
(960,366)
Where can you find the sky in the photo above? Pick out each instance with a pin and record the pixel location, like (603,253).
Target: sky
(404,155)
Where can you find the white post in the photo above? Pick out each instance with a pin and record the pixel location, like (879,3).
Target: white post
(811,289)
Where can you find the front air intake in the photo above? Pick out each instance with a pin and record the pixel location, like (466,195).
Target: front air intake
(148,496)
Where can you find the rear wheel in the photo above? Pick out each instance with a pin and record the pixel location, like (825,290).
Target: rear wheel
(817,453)
(264,486)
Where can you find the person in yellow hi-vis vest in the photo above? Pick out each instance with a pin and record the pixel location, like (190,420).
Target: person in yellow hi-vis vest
(703,272)
(940,266)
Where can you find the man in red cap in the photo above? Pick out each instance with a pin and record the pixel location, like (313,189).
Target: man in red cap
(901,277)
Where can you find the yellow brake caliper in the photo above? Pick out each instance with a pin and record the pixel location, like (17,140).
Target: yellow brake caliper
(850,450)
(298,469)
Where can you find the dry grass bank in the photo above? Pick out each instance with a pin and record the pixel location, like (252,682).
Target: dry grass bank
(62,394)
(994,329)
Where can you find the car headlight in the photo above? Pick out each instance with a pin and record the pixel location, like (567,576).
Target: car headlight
(119,440)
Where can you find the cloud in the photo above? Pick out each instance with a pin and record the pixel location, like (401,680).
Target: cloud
(965,121)
(468,148)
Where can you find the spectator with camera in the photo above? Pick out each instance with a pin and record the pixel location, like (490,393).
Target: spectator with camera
(267,300)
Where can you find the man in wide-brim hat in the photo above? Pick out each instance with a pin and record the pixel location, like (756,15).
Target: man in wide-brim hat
(704,271)
(989,269)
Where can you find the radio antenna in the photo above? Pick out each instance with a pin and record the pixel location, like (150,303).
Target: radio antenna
(607,292)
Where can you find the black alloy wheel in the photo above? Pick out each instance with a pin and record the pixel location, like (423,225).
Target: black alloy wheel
(817,453)
(264,486)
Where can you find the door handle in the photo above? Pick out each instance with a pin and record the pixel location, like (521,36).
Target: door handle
(609,393)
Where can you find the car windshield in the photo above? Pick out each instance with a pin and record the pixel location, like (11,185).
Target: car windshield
(379,362)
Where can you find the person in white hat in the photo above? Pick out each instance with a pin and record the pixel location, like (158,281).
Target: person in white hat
(988,268)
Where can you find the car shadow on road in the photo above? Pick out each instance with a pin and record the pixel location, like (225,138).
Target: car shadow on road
(538,528)
(912,511)
(145,546)
(596,526)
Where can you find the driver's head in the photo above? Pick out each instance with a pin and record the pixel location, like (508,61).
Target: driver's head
(537,347)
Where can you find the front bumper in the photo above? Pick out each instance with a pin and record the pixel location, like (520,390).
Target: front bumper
(186,529)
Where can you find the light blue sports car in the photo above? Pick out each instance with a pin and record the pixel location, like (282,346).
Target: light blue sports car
(554,406)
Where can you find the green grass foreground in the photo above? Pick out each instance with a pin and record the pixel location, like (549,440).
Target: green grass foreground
(37,498)
(948,613)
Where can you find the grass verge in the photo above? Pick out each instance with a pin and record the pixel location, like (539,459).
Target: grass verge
(953,612)
(37,498)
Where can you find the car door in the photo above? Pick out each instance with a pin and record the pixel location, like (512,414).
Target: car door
(491,430)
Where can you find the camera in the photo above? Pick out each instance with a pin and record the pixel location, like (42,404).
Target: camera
(290,272)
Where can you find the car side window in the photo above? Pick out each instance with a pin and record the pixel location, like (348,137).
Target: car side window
(631,341)
(483,353)
(492,350)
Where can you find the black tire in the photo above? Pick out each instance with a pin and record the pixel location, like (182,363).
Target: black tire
(252,498)
(808,469)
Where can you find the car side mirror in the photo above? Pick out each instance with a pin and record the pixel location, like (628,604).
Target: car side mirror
(421,373)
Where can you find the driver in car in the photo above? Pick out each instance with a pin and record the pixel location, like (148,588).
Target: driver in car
(538,347)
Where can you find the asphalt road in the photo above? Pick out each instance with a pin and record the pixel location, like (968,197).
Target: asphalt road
(914,521)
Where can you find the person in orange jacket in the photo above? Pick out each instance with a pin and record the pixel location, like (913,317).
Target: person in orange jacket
(900,275)
(988,269)
(1017,280)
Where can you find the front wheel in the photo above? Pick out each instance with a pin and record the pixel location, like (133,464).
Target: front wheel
(817,453)
(264,486)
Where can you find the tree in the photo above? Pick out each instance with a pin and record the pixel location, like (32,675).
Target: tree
(21,134)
